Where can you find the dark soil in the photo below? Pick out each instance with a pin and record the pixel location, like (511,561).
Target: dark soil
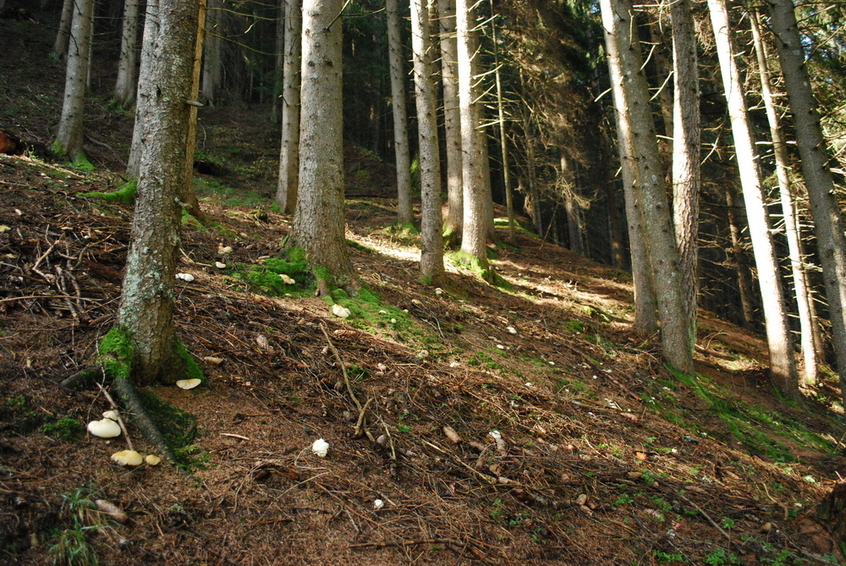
(604,456)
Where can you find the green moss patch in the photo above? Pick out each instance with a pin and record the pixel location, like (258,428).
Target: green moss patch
(266,278)
(179,429)
(125,194)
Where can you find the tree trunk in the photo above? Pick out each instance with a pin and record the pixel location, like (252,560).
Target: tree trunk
(212,62)
(405,212)
(126,85)
(452,121)
(475,226)
(289,153)
(738,255)
(431,243)
(278,64)
(188,196)
(69,139)
(319,222)
(686,156)
(828,222)
(804,306)
(60,47)
(147,300)
(649,189)
(148,45)
(782,363)
(503,139)
(572,208)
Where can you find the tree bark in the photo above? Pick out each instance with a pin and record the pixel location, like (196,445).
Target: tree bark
(782,363)
(649,188)
(738,255)
(804,307)
(289,153)
(60,47)
(148,45)
(475,226)
(405,212)
(431,243)
(452,121)
(147,300)
(828,221)
(212,62)
(319,221)
(126,85)
(69,139)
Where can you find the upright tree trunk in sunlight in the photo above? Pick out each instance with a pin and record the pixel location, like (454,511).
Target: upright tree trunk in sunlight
(148,43)
(431,242)
(405,212)
(452,121)
(782,363)
(649,188)
(126,85)
(825,208)
(475,225)
(804,306)
(147,300)
(319,221)
(289,153)
(69,139)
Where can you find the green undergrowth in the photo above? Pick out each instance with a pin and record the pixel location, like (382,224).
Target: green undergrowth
(125,194)
(761,431)
(368,312)
(66,429)
(215,190)
(266,277)
(474,264)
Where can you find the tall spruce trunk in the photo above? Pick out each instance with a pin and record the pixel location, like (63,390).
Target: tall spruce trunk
(431,242)
(452,121)
(828,221)
(126,85)
(147,300)
(782,363)
(148,43)
(289,152)
(405,211)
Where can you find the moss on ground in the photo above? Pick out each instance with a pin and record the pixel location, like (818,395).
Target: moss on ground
(125,194)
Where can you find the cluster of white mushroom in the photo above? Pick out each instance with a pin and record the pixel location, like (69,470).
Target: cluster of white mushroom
(109,427)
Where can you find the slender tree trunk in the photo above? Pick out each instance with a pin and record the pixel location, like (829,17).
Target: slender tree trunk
(148,46)
(69,139)
(828,221)
(188,196)
(212,63)
(431,244)
(475,226)
(147,300)
(278,64)
(685,170)
(289,153)
(126,85)
(782,363)
(503,139)
(60,47)
(676,343)
(452,121)
(405,212)
(738,256)
(572,208)
(319,221)
(791,226)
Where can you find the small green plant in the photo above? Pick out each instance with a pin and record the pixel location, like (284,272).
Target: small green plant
(64,429)
(728,523)
(719,557)
(73,547)
(669,557)
(622,499)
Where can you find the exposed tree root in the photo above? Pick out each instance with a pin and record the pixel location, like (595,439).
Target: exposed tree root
(131,400)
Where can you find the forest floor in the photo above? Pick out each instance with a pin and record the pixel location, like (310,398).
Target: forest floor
(521,424)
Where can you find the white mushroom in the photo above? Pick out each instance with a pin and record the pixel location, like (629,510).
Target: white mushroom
(111,414)
(127,458)
(187,277)
(320,447)
(152,460)
(286,279)
(105,428)
(188,383)
(340,311)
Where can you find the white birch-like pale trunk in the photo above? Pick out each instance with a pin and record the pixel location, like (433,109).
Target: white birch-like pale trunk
(318,225)
(782,362)
(148,45)
(405,211)
(69,139)
(431,242)
(649,188)
(289,152)
(147,299)
(278,64)
(804,307)
(475,226)
(686,143)
(825,208)
(126,85)
(452,121)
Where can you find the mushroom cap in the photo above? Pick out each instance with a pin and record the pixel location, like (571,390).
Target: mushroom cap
(152,460)
(320,447)
(340,311)
(188,383)
(105,428)
(127,458)
(111,414)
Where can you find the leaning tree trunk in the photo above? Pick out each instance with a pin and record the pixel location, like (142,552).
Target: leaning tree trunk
(431,242)
(649,189)
(475,226)
(319,221)
(685,172)
(405,212)
(782,363)
(69,139)
(289,152)
(804,307)
(147,300)
(452,121)
(126,85)
(828,222)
